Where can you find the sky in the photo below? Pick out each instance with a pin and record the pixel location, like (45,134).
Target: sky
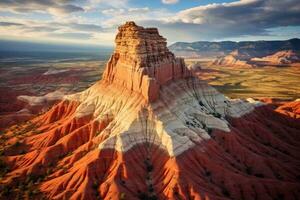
(95,22)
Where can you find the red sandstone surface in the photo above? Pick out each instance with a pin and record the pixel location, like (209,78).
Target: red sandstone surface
(57,156)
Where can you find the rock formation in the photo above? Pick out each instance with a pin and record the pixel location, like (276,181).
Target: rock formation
(151,130)
(142,62)
(279,58)
(212,50)
(233,59)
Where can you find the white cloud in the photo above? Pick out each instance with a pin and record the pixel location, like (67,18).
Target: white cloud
(170,1)
(105,4)
(236,19)
(125,11)
(54,7)
(209,22)
(50,30)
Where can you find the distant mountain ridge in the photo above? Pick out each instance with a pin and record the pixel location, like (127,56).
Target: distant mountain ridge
(251,48)
(28,46)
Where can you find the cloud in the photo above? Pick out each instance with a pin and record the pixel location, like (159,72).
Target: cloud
(81,36)
(105,4)
(54,7)
(10,24)
(118,16)
(236,19)
(125,11)
(170,1)
(68,31)
(86,27)
(48,26)
(218,21)
(64,9)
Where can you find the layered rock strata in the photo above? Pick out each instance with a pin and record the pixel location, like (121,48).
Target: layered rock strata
(142,62)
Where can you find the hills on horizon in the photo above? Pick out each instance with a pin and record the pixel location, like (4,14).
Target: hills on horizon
(27,46)
(260,48)
(177,47)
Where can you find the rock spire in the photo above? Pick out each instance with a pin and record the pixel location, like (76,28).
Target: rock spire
(142,62)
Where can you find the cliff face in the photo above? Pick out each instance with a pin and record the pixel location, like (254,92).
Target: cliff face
(150,130)
(142,62)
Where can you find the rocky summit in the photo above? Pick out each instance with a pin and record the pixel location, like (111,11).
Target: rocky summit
(150,129)
(142,62)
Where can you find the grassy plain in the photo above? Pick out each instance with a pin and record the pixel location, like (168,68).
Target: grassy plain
(274,82)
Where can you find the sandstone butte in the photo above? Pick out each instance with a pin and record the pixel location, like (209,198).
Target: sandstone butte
(151,130)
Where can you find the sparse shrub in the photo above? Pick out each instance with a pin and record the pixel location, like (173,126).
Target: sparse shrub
(225,192)
(142,195)
(280,196)
(123,182)
(37,131)
(148,164)
(151,189)
(207,173)
(5,191)
(149,167)
(3,168)
(17,144)
(95,185)
(22,151)
(209,131)
(249,170)
(200,103)
(1,152)
(97,133)
(278,176)
(259,175)
(175,192)
(145,196)
(122,196)
(216,114)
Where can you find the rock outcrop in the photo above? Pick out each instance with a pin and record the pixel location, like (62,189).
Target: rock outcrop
(280,58)
(150,130)
(142,62)
(234,59)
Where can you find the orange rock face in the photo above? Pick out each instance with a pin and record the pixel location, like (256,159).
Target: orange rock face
(142,62)
(149,130)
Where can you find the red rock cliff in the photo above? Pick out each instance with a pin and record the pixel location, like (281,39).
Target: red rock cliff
(142,62)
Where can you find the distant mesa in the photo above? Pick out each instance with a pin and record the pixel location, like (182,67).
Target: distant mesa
(234,58)
(217,49)
(150,129)
(280,58)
